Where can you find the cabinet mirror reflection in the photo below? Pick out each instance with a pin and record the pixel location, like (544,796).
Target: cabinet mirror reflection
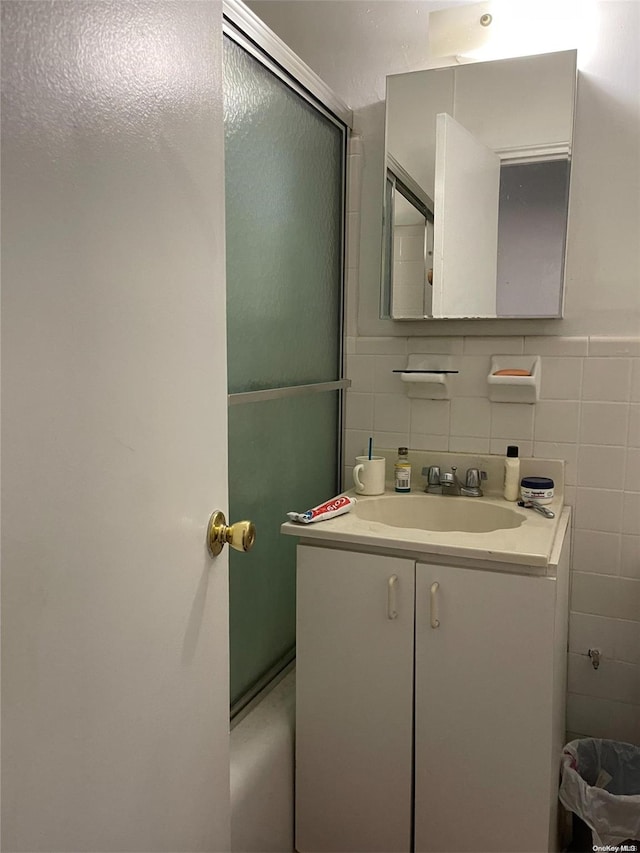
(476,203)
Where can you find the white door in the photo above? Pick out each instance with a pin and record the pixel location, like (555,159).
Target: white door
(465,236)
(115,639)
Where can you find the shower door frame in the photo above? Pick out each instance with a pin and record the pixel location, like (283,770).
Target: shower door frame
(243,27)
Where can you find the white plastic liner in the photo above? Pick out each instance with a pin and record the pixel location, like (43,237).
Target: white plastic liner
(601,784)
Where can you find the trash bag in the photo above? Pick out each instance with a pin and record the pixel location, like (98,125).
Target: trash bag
(601,784)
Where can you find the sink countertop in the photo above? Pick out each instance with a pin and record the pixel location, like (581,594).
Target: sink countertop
(530,544)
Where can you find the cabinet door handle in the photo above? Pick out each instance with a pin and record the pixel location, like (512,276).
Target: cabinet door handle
(435,622)
(392,612)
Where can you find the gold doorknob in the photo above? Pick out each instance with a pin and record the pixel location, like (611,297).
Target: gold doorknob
(240,535)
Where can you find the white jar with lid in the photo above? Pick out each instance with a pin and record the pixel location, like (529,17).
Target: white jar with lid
(538,489)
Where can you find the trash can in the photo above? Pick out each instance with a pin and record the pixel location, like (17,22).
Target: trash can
(601,785)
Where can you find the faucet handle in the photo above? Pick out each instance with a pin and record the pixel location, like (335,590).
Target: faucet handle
(473,478)
(432,473)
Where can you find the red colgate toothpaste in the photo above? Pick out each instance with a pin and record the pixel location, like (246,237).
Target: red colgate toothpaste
(329,509)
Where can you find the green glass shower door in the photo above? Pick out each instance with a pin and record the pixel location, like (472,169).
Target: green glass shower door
(284,175)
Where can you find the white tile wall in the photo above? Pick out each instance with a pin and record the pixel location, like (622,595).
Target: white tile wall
(589,415)
(606,379)
(604,423)
(596,551)
(561,378)
(557,420)
(633,439)
(630,556)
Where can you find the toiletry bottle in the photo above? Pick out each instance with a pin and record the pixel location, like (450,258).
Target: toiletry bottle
(402,471)
(511,474)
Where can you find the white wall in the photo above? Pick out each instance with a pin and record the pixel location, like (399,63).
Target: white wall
(589,412)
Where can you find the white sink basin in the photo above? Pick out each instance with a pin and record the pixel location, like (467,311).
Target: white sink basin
(434,512)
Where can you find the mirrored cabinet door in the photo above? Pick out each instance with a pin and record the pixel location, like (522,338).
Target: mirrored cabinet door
(490,143)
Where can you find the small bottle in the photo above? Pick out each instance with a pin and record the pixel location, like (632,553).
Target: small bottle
(402,471)
(511,474)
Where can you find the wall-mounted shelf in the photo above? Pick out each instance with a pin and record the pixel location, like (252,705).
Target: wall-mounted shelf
(515,389)
(426,378)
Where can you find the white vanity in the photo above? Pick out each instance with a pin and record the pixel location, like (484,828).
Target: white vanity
(430,676)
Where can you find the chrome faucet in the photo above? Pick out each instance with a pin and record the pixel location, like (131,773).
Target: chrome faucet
(449,484)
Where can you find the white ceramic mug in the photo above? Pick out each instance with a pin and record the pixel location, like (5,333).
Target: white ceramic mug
(368,475)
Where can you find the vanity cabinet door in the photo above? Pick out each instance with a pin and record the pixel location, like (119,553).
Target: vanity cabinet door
(484,763)
(354,693)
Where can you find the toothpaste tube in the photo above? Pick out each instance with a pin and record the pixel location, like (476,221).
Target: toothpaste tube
(329,509)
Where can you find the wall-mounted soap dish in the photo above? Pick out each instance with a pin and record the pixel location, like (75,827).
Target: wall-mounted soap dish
(514,378)
(427,377)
